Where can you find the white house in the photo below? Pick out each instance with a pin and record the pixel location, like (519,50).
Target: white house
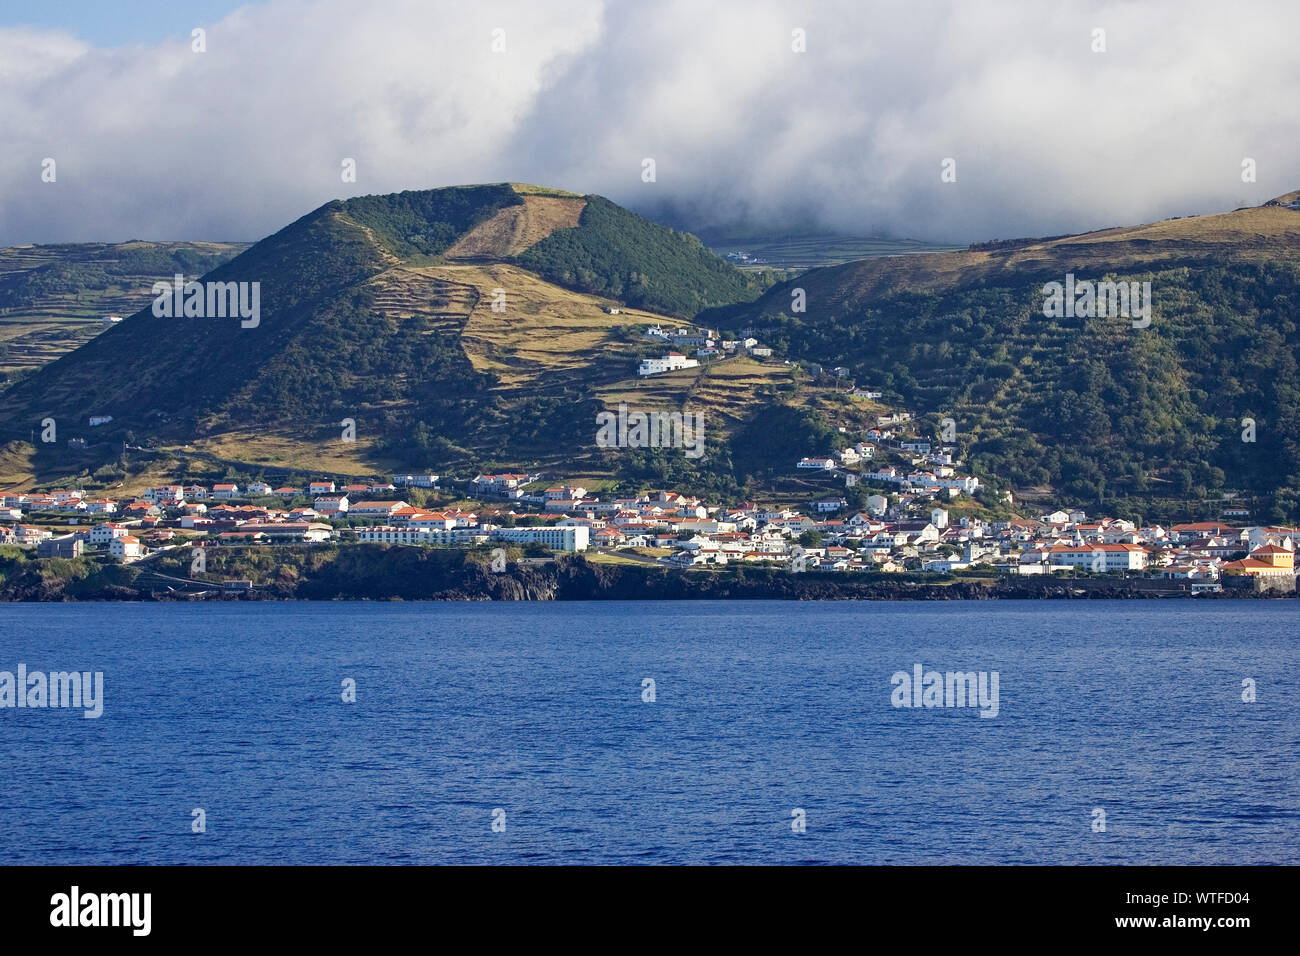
(225,491)
(106,533)
(498,484)
(945,565)
(165,494)
(671,362)
(30,534)
(332,504)
(816,464)
(299,530)
(127,546)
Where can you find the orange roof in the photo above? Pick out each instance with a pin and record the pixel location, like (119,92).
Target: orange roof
(1248,564)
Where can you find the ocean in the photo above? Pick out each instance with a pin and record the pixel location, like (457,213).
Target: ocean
(709,732)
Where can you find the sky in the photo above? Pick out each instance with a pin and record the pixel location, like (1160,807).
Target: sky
(944,120)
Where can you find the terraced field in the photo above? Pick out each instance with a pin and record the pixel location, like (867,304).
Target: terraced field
(54,298)
(729,390)
(544,332)
(403,294)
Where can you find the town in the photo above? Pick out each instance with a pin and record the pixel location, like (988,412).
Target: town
(913,523)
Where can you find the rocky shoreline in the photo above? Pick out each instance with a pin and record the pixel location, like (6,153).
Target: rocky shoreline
(420,574)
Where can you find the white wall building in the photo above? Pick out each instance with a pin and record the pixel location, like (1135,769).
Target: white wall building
(127,546)
(1099,557)
(669,363)
(557,539)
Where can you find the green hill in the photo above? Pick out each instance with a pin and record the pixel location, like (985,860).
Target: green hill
(473,327)
(1089,409)
(382,309)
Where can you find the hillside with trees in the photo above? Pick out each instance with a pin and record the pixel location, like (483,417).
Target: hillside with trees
(614,252)
(1091,409)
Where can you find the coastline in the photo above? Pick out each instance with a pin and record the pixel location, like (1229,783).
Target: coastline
(419,574)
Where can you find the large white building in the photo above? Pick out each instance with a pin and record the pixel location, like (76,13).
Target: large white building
(1099,557)
(557,539)
(669,363)
(383,534)
(388,534)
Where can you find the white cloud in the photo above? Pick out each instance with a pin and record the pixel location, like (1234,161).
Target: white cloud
(1049,137)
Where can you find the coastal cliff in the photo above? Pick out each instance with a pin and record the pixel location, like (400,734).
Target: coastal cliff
(373,572)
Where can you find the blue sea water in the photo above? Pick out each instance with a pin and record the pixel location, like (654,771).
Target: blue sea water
(760,708)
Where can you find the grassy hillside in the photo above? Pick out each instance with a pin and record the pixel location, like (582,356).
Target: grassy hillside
(54,298)
(410,314)
(469,329)
(151,371)
(1092,409)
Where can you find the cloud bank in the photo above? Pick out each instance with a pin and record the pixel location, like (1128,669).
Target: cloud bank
(849,134)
